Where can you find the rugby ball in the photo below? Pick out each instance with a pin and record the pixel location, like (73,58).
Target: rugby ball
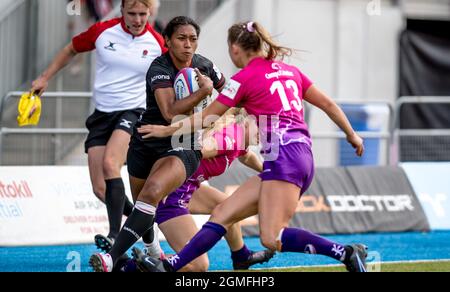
(186,83)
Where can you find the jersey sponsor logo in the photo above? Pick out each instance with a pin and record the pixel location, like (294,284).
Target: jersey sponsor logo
(160,77)
(231,89)
(110,47)
(276,66)
(279,72)
(127,124)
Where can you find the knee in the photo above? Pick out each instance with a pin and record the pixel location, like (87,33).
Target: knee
(216,212)
(152,193)
(218,216)
(111,169)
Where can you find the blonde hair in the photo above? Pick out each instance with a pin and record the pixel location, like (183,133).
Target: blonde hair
(232,116)
(252,36)
(147,3)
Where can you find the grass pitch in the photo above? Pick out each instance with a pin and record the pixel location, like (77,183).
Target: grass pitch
(419,266)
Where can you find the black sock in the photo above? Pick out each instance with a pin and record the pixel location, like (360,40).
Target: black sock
(149,235)
(115,200)
(137,223)
(128,208)
(348,253)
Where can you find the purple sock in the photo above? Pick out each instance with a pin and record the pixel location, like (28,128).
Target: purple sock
(240,255)
(299,240)
(202,242)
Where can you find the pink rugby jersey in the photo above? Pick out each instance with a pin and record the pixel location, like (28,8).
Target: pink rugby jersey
(230,141)
(122,62)
(272,90)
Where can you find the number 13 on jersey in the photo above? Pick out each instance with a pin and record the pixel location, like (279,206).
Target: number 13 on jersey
(277,86)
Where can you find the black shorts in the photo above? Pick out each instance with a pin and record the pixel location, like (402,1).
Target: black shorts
(101,125)
(142,157)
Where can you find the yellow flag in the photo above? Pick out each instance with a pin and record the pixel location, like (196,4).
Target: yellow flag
(29,109)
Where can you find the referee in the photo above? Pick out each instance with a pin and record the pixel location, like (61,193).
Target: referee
(124,47)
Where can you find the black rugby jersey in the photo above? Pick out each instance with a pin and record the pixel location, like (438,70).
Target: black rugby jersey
(162,74)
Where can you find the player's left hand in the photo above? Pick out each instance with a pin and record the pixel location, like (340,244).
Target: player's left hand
(155,131)
(204,82)
(357,142)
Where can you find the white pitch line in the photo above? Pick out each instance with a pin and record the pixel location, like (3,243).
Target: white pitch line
(370,263)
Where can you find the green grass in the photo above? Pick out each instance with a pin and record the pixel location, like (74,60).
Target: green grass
(437,266)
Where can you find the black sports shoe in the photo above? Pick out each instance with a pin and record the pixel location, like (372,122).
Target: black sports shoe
(148,264)
(356,261)
(124,264)
(103,243)
(254,258)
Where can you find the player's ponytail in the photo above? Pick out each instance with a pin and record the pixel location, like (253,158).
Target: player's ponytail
(253,37)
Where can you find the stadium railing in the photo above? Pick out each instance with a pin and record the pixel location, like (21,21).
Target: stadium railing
(50,150)
(55,150)
(420,144)
(382,134)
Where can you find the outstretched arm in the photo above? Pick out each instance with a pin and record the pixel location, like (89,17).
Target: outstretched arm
(317,98)
(188,125)
(252,161)
(59,62)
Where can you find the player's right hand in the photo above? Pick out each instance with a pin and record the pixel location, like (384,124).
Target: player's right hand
(39,86)
(357,143)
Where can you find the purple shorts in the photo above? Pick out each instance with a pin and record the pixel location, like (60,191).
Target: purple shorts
(176,204)
(294,164)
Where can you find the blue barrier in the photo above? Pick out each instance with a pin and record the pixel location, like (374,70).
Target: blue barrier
(363,118)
